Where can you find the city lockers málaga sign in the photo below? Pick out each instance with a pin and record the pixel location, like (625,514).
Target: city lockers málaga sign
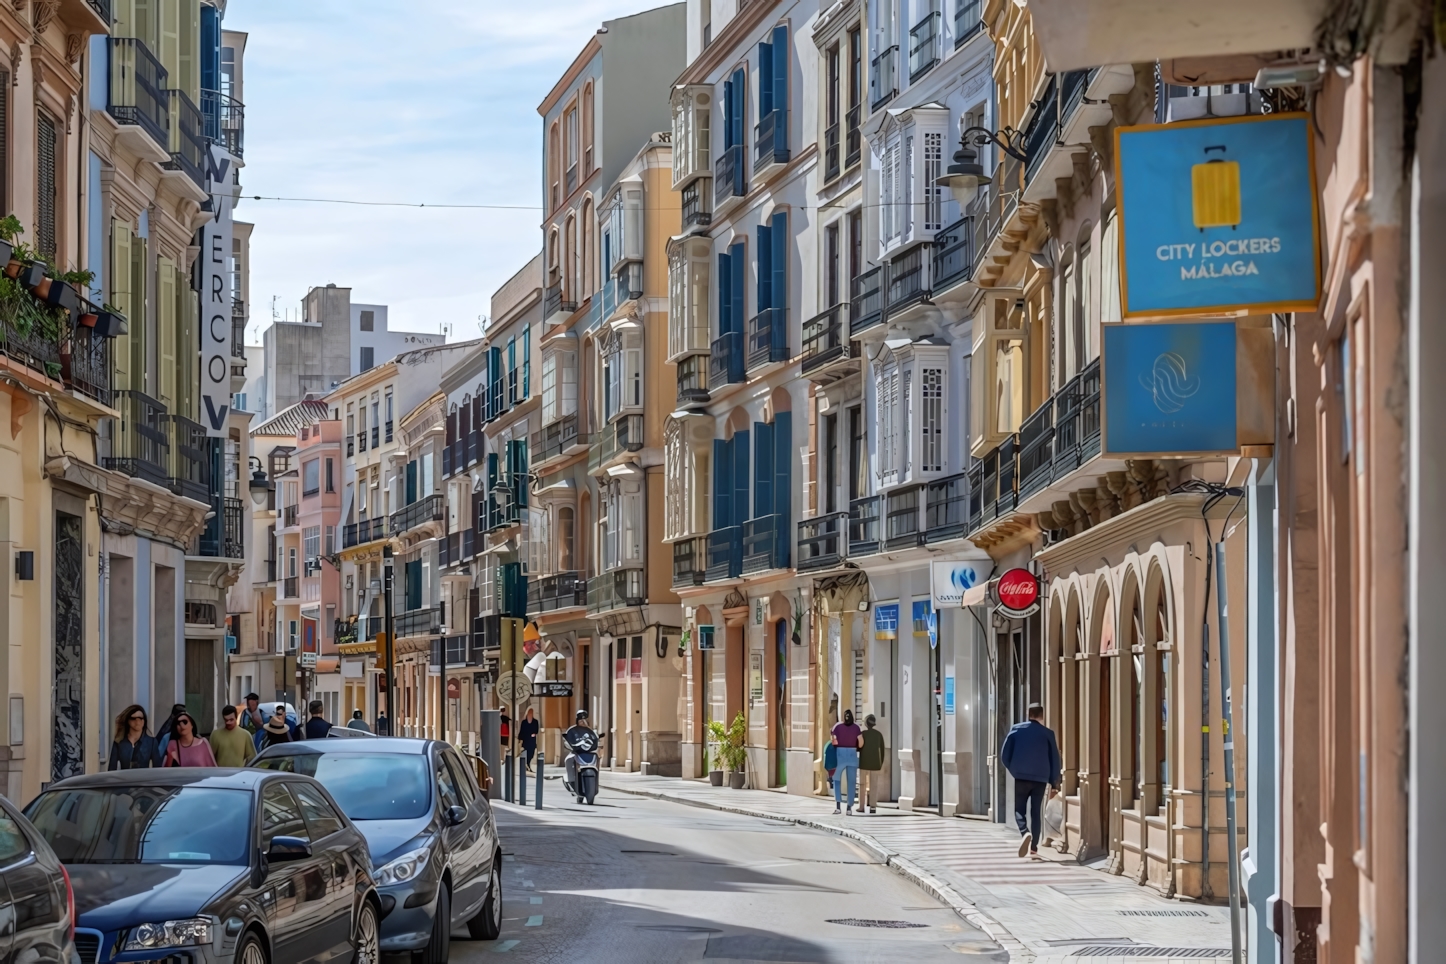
(1217,216)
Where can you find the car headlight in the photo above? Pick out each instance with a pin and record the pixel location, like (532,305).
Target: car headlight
(171,933)
(403,868)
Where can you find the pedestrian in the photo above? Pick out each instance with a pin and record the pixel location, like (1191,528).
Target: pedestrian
(276,729)
(358,722)
(188,748)
(231,743)
(164,734)
(871,761)
(527,731)
(1031,756)
(253,719)
(848,738)
(317,727)
(384,725)
(133,747)
(830,762)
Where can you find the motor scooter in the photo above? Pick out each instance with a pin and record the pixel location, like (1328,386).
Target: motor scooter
(582,761)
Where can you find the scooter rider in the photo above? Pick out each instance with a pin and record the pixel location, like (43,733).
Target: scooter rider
(574,735)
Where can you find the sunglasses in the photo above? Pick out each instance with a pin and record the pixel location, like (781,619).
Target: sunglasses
(138,716)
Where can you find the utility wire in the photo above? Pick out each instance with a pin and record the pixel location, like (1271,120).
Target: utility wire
(393,204)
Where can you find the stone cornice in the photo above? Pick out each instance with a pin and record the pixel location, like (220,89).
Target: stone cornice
(134,505)
(1128,527)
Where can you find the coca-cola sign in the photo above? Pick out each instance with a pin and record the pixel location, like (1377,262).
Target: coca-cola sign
(1018,593)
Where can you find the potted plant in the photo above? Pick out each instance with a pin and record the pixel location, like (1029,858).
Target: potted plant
(732,745)
(717,736)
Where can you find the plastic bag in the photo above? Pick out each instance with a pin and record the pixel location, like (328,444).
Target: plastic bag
(1054,818)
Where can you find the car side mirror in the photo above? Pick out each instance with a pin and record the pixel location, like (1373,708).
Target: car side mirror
(288,848)
(455,815)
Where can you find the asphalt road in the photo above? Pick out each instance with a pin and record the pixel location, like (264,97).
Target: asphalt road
(639,881)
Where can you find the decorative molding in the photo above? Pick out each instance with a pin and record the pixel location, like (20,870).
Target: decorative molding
(17,53)
(19,5)
(74,46)
(133,504)
(43,15)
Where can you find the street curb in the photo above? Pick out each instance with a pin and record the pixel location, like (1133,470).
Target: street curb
(901,865)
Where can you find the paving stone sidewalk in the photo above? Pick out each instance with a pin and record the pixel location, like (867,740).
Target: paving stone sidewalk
(1053,911)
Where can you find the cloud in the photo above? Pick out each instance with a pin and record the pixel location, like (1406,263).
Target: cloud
(429,101)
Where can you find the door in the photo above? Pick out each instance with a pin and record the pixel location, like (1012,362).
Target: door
(294,894)
(780,702)
(478,846)
(1101,787)
(459,841)
(329,846)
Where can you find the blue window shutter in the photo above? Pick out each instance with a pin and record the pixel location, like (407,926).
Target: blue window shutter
(783,478)
(740,478)
(491,471)
(778,263)
(740,109)
(722,483)
(411,493)
(780,83)
(727,114)
(725,294)
(520,485)
(737,254)
(765,271)
(762,470)
(527,363)
(765,79)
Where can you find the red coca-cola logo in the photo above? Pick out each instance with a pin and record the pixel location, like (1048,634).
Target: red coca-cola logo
(1018,590)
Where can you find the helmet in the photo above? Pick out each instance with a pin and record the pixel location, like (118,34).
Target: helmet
(581,714)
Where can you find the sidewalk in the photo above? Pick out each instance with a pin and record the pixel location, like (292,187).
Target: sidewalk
(1053,911)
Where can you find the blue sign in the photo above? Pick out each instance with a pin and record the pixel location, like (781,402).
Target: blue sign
(886,621)
(1217,215)
(948,696)
(1169,389)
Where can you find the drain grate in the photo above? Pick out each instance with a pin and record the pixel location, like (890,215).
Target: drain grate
(1138,950)
(863,922)
(1163,913)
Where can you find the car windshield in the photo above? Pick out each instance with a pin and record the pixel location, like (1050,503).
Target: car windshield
(367,786)
(145,825)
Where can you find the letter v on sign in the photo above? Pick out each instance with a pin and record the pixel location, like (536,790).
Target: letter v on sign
(216,417)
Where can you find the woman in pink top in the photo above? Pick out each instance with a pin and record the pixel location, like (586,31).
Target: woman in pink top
(187,749)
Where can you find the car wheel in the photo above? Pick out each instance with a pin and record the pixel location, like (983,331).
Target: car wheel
(366,942)
(440,946)
(487,925)
(251,951)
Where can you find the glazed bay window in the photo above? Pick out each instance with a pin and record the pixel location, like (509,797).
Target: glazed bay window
(620,525)
(559,384)
(998,369)
(685,512)
(622,372)
(912,391)
(911,158)
(692,115)
(689,270)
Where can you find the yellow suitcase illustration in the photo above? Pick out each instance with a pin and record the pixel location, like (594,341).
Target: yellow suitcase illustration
(1215,192)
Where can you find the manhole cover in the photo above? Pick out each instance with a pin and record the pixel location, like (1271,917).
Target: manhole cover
(1137,950)
(862,922)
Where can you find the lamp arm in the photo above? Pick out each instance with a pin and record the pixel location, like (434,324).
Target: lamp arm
(986,135)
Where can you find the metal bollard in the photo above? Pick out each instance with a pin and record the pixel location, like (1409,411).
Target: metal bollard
(507,780)
(521,781)
(538,803)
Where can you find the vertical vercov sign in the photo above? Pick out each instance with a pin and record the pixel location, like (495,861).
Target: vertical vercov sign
(216,294)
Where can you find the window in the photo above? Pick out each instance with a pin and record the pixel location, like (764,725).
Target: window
(310,477)
(368,320)
(46,186)
(933,194)
(311,543)
(887,390)
(368,358)
(832,102)
(447,785)
(1088,308)
(565,530)
(1109,271)
(931,420)
(858,478)
(831,264)
(330,476)
(291,634)
(856,246)
(280,816)
(328,546)
(856,72)
(587,112)
(321,820)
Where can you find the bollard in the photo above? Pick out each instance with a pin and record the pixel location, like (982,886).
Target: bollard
(538,794)
(507,779)
(521,781)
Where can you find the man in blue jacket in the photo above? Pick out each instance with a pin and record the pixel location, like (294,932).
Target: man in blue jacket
(1031,756)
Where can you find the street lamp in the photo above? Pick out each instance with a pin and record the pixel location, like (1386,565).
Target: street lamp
(965,176)
(261,486)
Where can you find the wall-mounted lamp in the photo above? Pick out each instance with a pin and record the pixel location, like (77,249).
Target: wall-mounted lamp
(25,565)
(965,176)
(261,487)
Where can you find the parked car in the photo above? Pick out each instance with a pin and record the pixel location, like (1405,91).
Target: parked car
(211,866)
(39,908)
(433,837)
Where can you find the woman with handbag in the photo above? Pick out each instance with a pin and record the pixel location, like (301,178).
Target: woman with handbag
(187,749)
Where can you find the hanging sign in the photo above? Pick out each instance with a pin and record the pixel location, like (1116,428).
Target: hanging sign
(216,294)
(886,621)
(950,580)
(1169,389)
(1218,215)
(1018,592)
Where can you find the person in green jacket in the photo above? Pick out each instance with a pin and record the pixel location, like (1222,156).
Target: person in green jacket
(232,744)
(871,761)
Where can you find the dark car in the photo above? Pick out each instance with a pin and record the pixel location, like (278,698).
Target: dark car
(37,914)
(211,865)
(433,838)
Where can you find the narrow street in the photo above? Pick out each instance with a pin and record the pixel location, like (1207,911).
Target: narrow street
(641,880)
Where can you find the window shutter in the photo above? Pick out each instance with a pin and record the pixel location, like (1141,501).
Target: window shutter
(727,114)
(735,286)
(762,469)
(765,274)
(411,493)
(170,49)
(527,363)
(120,276)
(765,79)
(491,471)
(166,325)
(740,477)
(46,144)
(783,479)
(722,483)
(779,262)
(725,293)
(780,81)
(188,66)
(740,108)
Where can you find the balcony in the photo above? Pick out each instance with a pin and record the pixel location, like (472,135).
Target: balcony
(730,175)
(953,256)
(291,587)
(821,542)
(628,284)
(556,439)
(864,526)
(224,535)
(433,508)
(140,445)
(563,590)
(884,77)
(725,361)
(502,513)
(908,285)
(623,434)
(238,328)
(553,303)
(765,543)
(867,307)
(946,508)
(1042,132)
(190,451)
(689,558)
(831,166)
(768,337)
(32,337)
(901,518)
(1077,421)
(967,21)
(853,142)
(994,208)
(725,554)
(87,370)
(618,589)
(136,93)
(693,380)
(924,44)
(360,533)
(419,622)
(225,120)
(994,477)
(771,139)
(288,517)
(456,548)
(697,209)
(825,341)
(101,9)
(186,144)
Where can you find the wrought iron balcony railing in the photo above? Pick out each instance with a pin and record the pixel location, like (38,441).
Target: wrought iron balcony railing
(946,508)
(561,590)
(924,43)
(555,439)
(884,77)
(225,120)
(190,451)
(825,338)
(771,138)
(908,284)
(89,371)
(186,142)
(725,554)
(953,255)
(867,306)
(419,622)
(725,360)
(768,337)
(765,543)
(140,445)
(864,526)
(432,508)
(360,533)
(901,517)
(690,562)
(624,434)
(822,542)
(136,92)
(730,175)
(618,589)
(554,303)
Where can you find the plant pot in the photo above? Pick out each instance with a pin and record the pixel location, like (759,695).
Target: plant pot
(715,777)
(57,294)
(88,319)
(6,250)
(109,324)
(736,779)
(31,274)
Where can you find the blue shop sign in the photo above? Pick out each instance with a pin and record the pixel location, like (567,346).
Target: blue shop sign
(1218,215)
(1169,389)
(886,621)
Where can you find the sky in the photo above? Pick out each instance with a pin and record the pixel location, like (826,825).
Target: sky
(427,102)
